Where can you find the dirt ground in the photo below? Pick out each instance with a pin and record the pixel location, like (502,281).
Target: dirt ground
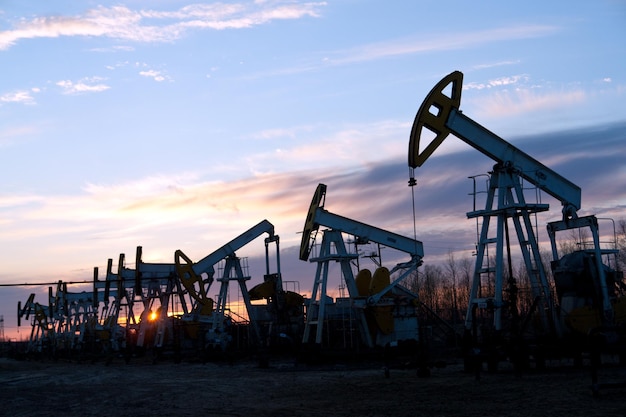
(141,388)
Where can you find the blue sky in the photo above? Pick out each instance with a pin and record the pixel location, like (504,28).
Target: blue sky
(178,125)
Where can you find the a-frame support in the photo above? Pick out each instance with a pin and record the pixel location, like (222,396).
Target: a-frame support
(332,248)
(233,272)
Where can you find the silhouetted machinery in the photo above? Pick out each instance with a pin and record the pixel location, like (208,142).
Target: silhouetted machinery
(167,307)
(589,288)
(149,301)
(42,338)
(281,316)
(377,311)
(581,308)
(63,325)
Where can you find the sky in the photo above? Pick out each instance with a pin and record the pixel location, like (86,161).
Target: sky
(179,124)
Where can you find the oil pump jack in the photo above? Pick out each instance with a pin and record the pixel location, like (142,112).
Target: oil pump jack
(148,292)
(384,312)
(588,289)
(198,277)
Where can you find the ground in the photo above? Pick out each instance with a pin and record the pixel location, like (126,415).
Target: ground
(142,388)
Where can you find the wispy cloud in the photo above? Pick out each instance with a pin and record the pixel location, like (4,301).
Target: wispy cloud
(194,213)
(115,48)
(497,82)
(120,64)
(123,23)
(198,213)
(495,64)
(19,96)
(158,76)
(281,132)
(85,85)
(417,45)
(348,145)
(516,101)
(439,43)
(18,200)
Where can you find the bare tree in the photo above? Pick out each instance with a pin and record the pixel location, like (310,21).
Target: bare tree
(412,282)
(431,283)
(466,267)
(576,240)
(452,275)
(621,244)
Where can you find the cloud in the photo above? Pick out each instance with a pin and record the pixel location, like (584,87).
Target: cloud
(158,76)
(14,201)
(449,41)
(350,145)
(123,23)
(19,96)
(85,85)
(282,132)
(70,234)
(496,64)
(505,103)
(416,45)
(115,48)
(191,212)
(497,82)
